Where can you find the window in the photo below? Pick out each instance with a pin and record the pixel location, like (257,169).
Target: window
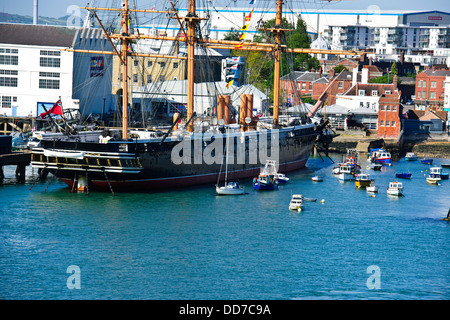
(149,63)
(149,78)
(424,84)
(419,84)
(341,84)
(432,95)
(382,108)
(374,92)
(361,104)
(175,65)
(6,101)
(8,81)
(387,123)
(394,108)
(162,78)
(8,56)
(433,84)
(423,95)
(310,86)
(393,123)
(418,94)
(381,123)
(135,78)
(50,62)
(361,92)
(136,63)
(388,108)
(47,80)
(387,91)
(162,64)
(303,86)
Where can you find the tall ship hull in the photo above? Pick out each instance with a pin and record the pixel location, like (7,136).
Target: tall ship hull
(153,164)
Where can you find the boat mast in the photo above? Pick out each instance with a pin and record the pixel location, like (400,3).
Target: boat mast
(192,21)
(125,71)
(277,55)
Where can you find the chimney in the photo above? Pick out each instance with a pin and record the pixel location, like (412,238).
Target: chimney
(355,76)
(365,76)
(370,61)
(35,12)
(331,74)
(320,72)
(394,82)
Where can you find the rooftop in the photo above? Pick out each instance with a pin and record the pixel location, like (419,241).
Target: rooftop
(36,35)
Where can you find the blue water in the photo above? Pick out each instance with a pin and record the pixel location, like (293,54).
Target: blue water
(192,244)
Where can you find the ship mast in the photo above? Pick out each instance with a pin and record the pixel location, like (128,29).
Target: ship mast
(125,71)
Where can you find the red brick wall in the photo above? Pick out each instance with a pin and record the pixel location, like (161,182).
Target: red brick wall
(389,125)
(426,94)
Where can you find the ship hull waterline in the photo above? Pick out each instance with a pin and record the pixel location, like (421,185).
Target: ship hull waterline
(155,169)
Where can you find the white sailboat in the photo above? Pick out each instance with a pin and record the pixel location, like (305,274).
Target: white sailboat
(232,187)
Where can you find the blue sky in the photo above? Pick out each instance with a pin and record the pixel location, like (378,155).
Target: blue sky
(58,8)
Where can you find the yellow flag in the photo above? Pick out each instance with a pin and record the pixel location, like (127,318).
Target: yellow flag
(242,36)
(244,28)
(239,46)
(229,83)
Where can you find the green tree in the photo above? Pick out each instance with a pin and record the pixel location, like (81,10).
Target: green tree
(232,35)
(339,68)
(394,68)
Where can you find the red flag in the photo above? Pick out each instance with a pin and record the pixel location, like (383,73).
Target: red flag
(56,109)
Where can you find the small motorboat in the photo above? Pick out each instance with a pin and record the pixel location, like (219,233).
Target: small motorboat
(404,175)
(434,178)
(346,173)
(395,189)
(362,180)
(438,171)
(296,203)
(445,165)
(372,188)
(232,188)
(426,161)
(410,156)
(268,178)
(282,179)
(317,178)
(309,199)
(381,156)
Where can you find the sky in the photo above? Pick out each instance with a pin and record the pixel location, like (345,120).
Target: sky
(60,8)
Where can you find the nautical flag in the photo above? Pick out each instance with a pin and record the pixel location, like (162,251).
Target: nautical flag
(242,36)
(249,17)
(234,67)
(244,28)
(252,1)
(239,46)
(229,83)
(56,109)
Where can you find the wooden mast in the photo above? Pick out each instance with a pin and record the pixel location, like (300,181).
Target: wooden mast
(125,71)
(190,70)
(276,81)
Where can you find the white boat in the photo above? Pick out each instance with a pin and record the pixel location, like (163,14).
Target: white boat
(296,203)
(362,180)
(282,179)
(346,173)
(372,188)
(410,156)
(317,178)
(232,188)
(438,171)
(395,189)
(434,178)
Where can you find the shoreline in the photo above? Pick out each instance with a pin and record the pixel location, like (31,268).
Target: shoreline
(428,148)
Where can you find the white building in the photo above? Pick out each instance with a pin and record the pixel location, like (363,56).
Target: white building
(35,71)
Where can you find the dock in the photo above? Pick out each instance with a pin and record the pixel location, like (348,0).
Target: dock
(21,159)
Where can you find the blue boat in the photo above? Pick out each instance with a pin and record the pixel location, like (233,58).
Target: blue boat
(426,161)
(403,175)
(438,171)
(268,178)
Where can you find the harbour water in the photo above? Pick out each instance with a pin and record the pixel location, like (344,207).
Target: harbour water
(193,244)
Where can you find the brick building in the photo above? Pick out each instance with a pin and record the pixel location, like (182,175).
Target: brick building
(430,88)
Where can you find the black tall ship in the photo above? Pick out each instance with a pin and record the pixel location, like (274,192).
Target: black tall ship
(185,155)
